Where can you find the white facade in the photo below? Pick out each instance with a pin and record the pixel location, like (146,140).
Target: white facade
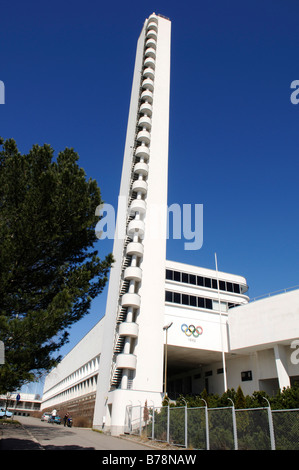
(77,373)
(259,340)
(133,314)
(217,340)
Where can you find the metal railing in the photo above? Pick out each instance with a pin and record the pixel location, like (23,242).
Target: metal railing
(226,428)
(270,294)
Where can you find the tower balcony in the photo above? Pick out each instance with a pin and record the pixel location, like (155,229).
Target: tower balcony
(151,34)
(141,168)
(130,300)
(152,25)
(136,226)
(149,62)
(150,52)
(128,329)
(147,95)
(133,273)
(142,151)
(135,248)
(138,205)
(144,136)
(149,73)
(153,17)
(148,83)
(146,108)
(126,361)
(139,186)
(145,121)
(151,43)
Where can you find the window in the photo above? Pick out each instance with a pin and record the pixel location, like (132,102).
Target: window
(246,375)
(237,288)
(194,301)
(229,286)
(202,281)
(169,274)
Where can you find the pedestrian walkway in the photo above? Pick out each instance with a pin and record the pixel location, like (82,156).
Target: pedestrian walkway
(32,434)
(17,437)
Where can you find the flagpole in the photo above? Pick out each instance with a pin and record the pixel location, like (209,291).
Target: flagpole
(221,332)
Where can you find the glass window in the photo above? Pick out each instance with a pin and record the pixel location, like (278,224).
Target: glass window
(214,283)
(185,277)
(193,301)
(192,278)
(229,286)
(177,297)
(222,285)
(169,274)
(199,280)
(169,296)
(177,276)
(246,375)
(200,302)
(207,282)
(185,299)
(237,288)
(209,303)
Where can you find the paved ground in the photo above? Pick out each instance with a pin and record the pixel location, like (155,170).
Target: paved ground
(34,434)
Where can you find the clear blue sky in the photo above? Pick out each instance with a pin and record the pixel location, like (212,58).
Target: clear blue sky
(67,69)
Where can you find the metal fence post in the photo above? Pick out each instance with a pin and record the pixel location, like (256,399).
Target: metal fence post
(271,429)
(168,422)
(207,425)
(186,424)
(234,424)
(153,423)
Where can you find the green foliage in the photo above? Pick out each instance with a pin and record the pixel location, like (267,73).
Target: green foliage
(251,420)
(49,269)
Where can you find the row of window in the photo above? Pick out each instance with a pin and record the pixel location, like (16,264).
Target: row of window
(202,281)
(199,302)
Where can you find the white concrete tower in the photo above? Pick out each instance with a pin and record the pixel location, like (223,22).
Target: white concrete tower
(131,362)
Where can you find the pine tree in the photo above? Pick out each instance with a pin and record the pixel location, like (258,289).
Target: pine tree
(49,268)
(240,399)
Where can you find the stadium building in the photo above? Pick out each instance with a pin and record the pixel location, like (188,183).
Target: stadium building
(169,327)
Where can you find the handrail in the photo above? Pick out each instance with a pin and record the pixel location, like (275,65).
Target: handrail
(270,294)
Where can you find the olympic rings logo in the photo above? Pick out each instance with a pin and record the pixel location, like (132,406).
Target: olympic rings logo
(191,330)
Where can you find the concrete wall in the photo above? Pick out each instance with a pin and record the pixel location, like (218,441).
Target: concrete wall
(77,368)
(262,324)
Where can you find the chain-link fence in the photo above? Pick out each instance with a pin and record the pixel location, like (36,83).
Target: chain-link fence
(224,428)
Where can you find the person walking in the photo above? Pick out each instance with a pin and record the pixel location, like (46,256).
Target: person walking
(66,417)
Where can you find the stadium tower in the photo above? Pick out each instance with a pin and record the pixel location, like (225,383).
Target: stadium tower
(131,362)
